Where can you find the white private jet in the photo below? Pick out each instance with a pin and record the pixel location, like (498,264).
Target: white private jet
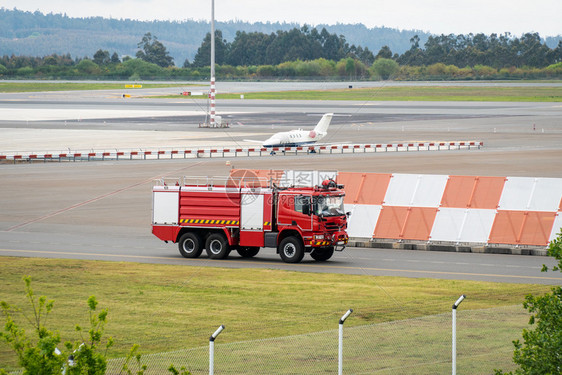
(299,137)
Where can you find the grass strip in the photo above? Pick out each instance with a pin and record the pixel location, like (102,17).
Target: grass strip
(166,307)
(11,87)
(417,93)
(408,93)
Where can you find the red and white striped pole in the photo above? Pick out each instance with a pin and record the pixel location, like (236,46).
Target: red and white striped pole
(212,120)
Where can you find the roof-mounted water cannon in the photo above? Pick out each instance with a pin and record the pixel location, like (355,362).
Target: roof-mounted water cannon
(330,184)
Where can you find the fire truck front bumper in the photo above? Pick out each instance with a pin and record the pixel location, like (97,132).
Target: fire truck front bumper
(338,240)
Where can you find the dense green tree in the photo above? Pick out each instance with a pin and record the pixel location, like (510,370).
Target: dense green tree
(293,45)
(363,55)
(102,57)
(351,68)
(384,53)
(88,67)
(153,51)
(115,58)
(249,48)
(541,350)
(25,71)
(384,68)
(414,56)
(203,56)
(532,51)
(415,42)
(50,60)
(141,69)
(327,67)
(334,47)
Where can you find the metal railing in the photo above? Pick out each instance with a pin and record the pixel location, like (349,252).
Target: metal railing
(223,152)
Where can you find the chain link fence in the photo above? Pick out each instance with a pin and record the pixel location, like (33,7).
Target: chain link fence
(413,346)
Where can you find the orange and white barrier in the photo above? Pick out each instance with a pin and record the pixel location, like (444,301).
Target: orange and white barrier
(234,151)
(458,209)
(515,211)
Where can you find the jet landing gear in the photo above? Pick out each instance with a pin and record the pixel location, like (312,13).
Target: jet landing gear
(274,153)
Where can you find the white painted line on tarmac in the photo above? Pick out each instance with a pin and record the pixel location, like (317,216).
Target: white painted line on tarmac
(95,199)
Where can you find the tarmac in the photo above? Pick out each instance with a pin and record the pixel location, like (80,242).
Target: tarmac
(520,139)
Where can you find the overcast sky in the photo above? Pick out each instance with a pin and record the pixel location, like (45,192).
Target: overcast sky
(435,16)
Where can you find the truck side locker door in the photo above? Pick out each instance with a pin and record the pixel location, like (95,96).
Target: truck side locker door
(251,220)
(165,213)
(165,207)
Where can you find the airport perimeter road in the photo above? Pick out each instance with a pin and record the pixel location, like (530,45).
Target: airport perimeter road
(357,261)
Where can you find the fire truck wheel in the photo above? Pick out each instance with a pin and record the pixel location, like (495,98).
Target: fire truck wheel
(322,254)
(291,250)
(217,246)
(190,245)
(248,252)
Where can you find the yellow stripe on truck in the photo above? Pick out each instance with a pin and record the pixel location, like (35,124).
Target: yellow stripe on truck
(209,221)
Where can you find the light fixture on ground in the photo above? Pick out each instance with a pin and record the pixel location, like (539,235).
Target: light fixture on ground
(212,349)
(455,305)
(340,347)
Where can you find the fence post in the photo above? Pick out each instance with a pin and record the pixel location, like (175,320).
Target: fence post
(340,346)
(212,349)
(455,305)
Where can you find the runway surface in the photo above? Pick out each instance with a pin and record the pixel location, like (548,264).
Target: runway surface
(357,261)
(101,210)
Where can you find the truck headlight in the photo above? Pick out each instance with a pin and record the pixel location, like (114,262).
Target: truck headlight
(318,236)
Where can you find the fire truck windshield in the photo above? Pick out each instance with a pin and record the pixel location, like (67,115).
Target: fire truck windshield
(328,206)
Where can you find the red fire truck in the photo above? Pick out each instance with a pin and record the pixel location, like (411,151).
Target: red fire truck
(246,215)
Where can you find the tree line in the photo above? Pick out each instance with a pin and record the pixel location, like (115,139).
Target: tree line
(256,48)
(310,54)
(501,51)
(460,50)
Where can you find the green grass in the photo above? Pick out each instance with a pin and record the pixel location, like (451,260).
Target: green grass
(165,307)
(71,86)
(418,93)
(414,346)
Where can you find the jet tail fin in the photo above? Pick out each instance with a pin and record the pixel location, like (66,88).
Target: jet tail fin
(322,126)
